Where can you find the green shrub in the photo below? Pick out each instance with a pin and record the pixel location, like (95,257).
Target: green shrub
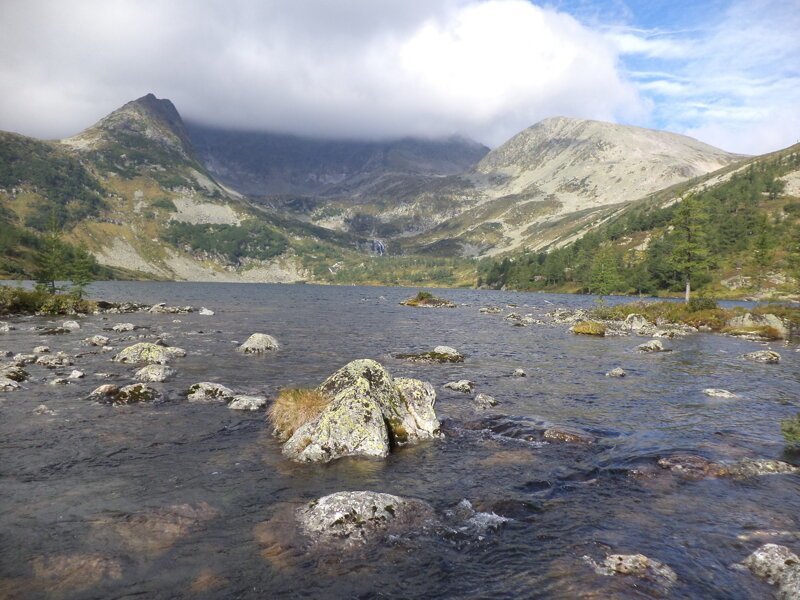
(21,301)
(791,430)
(700,303)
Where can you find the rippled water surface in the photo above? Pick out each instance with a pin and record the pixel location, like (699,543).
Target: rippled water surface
(77,483)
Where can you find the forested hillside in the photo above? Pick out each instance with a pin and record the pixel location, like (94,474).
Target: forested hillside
(738,235)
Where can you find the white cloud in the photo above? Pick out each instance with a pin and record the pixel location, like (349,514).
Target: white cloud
(486,68)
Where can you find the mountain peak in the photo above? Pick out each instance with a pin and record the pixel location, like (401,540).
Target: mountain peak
(149,117)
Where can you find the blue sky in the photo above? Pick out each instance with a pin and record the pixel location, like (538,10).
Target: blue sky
(724,71)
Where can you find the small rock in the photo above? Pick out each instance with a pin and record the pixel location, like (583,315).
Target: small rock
(652,346)
(76,374)
(8,385)
(154,373)
(5,327)
(71,325)
(448,351)
(616,372)
(778,566)
(123,327)
(41,350)
(519,373)
(753,467)
(763,356)
(14,373)
(54,361)
(718,393)
(464,386)
(145,352)
(130,394)
(568,435)
(97,340)
(485,401)
(107,348)
(6,353)
(207,312)
(43,410)
(258,343)
(491,310)
(244,402)
(104,393)
(349,519)
(59,381)
(206,391)
(690,466)
(635,323)
(440,354)
(21,360)
(637,565)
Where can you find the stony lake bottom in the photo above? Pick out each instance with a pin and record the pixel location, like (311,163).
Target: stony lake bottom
(82,481)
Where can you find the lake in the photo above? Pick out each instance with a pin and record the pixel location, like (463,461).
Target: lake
(77,482)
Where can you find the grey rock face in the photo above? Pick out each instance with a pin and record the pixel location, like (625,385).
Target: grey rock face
(350,519)
(206,391)
(778,566)
(258,343)
(418,421)
(763,356)
(145,352)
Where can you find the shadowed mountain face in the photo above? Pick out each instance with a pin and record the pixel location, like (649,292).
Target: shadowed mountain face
(270,164)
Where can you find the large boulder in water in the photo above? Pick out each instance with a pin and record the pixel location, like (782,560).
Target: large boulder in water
(367,415)
(749,322)
(763,356)
(206,391)
(350,519)
(145,352)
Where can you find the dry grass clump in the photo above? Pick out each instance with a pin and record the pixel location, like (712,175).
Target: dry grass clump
(293,408)
(589,328)
(762,331)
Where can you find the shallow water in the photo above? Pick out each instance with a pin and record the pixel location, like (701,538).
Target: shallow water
(70,482)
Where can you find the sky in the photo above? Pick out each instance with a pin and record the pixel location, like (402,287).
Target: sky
(724,71)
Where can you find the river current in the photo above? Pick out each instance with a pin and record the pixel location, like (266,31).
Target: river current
(69,479)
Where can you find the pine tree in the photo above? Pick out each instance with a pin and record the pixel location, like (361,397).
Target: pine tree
(690,254)
(50,260)
(605,272)
(81,272)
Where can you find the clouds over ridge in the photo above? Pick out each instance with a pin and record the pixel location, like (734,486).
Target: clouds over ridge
(354,68)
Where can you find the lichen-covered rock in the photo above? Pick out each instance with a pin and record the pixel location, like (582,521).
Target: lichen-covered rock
(465,386)
(636,565)
(718,393)
(350,519)
(778,566)
(652,346)
(206,391)
(763,356)
(753,467)
(483,401)
(368,414)
(15,373)
(71,325)
(616,372)
(690,466)
(244,402)
(130,394)
(97,340)
(53,361)
(122,327)
(154,373)
(440,354)
(145,352)
(8,385)
(258,343)
(749,321)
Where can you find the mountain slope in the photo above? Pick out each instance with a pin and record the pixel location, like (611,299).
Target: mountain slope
(269,164)
(733,233)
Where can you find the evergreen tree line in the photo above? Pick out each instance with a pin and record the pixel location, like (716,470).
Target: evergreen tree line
(742,222)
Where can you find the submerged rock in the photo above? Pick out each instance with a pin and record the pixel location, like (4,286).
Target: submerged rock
(205,391)
(718,393)
(652,346)
(490,310)
(464,386)
(74,572)
(349,519)
(145,352)
(778,566)
(244,402)
(636,565)
(427,300)
(42,409)
(59,381)
(693,467)
(753,467)
(763,356)
(616,372)
(258,343)
(367,415)
(568,434)
(690,466)
(154,373)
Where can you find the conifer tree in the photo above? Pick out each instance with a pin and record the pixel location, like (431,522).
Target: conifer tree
(690,255)
(81,272)
(50,260)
